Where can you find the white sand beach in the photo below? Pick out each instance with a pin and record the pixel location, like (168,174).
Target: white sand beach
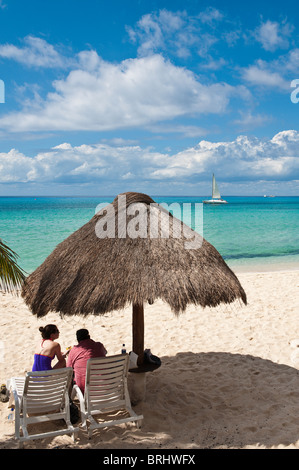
(229,377)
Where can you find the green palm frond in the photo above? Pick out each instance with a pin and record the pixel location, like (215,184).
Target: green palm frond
(11,275)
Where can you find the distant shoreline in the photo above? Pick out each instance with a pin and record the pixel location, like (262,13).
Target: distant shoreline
(264,268)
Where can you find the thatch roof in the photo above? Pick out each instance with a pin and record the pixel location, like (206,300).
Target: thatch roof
(88,274)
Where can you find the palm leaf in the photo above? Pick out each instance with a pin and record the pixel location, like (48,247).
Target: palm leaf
(11,275)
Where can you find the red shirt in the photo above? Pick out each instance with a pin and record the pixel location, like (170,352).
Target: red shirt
(78,357)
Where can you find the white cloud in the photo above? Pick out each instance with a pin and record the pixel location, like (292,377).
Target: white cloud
(261,74)
(289,63)
(80,164)
(273,35)
(210,15)
(175,33)
(157,31)
(36,53)
(184,130)
(248,120)
(15,167)
(232,37)
(244,159)
(108,96)
(89,60)
(182,35)
(276,73)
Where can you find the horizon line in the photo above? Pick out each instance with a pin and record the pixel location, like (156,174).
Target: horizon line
(154,195)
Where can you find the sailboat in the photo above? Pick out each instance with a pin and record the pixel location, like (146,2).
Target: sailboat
(216,198)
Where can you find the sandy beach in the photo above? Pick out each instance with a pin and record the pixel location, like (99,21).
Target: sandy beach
(229,377)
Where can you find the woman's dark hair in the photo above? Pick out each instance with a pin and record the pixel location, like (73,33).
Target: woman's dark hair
(48,330)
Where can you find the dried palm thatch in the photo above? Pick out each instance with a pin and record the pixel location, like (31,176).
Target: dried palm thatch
(131,252)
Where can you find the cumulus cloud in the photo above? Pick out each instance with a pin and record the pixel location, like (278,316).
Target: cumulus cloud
(179,129)
(287,64)
(156,32)
(273,35)
(176,33)
(244,159)
(248,120)
(15,167)
(105,96)
(210,15)
(275,73)
(36,52)
(260,75)
(66,164)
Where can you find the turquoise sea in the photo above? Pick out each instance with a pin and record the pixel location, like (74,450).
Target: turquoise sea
(249,232)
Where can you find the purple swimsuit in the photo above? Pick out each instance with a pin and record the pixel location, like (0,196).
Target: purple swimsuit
(42,362)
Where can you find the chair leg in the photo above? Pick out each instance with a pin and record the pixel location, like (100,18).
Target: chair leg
(77,392)
(138,423)
(83,419)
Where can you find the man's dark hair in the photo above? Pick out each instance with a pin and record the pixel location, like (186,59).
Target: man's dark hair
(82,334)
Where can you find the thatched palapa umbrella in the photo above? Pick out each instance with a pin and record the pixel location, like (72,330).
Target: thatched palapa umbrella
(131,252)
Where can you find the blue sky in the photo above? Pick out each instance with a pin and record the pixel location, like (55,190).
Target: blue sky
(152,96)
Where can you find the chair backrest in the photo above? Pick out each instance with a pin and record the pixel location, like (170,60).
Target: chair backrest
(45,391)
(106,382)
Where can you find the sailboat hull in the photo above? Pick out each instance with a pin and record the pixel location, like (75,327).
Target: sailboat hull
(215,202)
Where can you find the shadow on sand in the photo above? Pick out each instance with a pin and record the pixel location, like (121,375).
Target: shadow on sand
(218,399)
(207,401)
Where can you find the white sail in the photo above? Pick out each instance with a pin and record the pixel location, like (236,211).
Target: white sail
(215,190)
(216,198)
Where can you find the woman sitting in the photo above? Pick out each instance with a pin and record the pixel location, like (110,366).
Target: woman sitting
(47,349)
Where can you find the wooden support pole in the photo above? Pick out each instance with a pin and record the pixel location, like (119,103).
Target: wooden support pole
(138,332)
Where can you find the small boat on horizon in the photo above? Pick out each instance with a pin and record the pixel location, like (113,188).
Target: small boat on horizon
(216,198)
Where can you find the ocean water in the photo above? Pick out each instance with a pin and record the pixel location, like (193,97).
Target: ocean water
(249,232)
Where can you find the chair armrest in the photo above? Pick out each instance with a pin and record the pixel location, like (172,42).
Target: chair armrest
(76,391)
(15,387)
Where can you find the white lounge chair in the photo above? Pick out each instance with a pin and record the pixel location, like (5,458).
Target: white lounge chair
(106,392)
(41,396)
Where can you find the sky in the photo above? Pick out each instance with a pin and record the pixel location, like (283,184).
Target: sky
(98,97)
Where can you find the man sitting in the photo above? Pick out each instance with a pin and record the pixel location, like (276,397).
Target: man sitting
(79,355)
